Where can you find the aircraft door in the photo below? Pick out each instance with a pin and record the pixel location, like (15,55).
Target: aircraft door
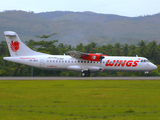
(41,63)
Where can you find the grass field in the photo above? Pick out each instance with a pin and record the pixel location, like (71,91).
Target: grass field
(82,99)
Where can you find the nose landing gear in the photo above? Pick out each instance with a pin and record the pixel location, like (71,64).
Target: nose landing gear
(146,73)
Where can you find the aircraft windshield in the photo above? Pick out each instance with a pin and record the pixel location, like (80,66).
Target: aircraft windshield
(145,60)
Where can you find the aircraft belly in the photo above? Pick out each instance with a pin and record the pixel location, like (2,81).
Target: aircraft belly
(125,68)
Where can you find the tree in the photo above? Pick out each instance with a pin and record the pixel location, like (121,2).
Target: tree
(153,51)
(80,47)
(109,49)
(90,48)
(117,49)
(142,48)
(125,50)
(132,50)
(4,49)
(45,36)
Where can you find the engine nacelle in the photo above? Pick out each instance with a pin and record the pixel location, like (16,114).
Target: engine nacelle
(74,68)
(95,69)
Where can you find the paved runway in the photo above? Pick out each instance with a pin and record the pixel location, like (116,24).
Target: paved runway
(79,78)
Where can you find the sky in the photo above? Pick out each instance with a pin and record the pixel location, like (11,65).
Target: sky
(130,8)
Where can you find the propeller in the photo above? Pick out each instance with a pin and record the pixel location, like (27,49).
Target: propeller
(101,57)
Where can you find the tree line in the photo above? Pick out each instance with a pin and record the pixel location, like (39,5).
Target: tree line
(148,50)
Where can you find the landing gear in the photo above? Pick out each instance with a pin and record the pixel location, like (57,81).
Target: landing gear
(146,73)
(85,74)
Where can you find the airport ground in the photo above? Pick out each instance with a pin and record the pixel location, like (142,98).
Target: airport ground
(81,78)
(86,98)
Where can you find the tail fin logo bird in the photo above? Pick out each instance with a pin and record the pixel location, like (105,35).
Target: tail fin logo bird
(14,46)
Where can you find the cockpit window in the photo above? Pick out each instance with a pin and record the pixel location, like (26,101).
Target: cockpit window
(144,60)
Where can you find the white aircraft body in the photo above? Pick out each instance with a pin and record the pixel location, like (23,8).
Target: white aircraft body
(85,63)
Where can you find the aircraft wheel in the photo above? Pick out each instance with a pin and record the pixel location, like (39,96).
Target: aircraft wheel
(87,74)
(83,74)
(147,73)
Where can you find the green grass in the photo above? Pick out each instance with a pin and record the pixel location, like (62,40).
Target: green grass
(82,99)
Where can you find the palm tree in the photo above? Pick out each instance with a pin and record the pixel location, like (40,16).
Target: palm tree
(80,47)
(109,49)
(125,50)
(132,50)
(142,48)
(152,47)
(117,48)
(3,49)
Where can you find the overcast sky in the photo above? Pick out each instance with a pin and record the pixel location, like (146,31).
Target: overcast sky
(130,8)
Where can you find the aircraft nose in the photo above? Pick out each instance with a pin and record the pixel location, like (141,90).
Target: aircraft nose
(153,66)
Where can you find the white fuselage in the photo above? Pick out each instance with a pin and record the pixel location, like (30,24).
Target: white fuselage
(65,62)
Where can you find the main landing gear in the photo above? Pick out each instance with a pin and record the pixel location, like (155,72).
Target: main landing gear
(85,73)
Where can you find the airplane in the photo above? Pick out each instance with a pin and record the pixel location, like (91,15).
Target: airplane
(85,63)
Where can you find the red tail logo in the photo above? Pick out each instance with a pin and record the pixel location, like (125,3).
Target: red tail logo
(14,46)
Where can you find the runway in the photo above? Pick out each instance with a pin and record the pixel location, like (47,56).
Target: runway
(79,78)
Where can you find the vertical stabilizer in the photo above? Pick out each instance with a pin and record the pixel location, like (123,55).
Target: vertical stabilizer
(17,47)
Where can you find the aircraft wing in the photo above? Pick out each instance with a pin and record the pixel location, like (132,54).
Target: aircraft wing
(86,56)
(77,55)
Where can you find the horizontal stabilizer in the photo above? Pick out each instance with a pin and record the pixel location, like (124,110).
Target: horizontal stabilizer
(10,34)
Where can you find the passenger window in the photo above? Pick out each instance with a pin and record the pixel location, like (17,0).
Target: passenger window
(78,61)
(84,61)
(81,61)
(50,60)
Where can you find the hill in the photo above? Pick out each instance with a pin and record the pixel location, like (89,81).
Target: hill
(81,27)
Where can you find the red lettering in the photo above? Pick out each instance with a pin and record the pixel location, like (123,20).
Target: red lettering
(135,63)
(116,63)
(129,63)
(110,63)
(122,63)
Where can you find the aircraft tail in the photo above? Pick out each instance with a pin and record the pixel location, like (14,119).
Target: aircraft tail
(17,47)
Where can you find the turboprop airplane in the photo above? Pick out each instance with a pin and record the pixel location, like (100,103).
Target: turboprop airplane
(85,63)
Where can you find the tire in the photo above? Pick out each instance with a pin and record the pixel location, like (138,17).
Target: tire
(87,74)
(83,74)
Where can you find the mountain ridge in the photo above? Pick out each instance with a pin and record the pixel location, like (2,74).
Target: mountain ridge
(81,27)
